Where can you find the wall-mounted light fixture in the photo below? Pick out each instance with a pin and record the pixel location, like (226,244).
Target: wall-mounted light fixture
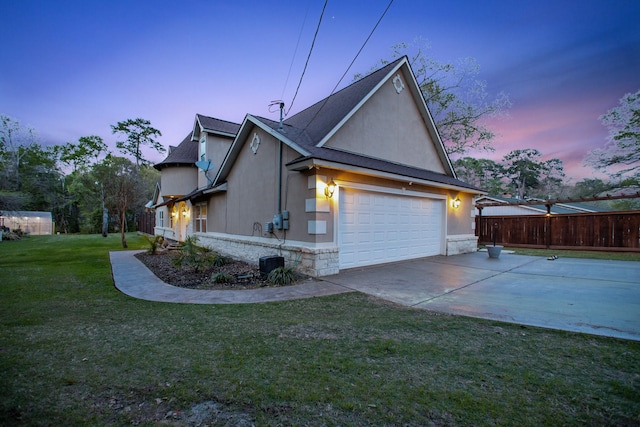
(185,212)
(330,189)
(455,203)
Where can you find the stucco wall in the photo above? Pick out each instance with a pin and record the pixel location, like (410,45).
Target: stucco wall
(217,148)
(251,198)
(389,127)
(178,180)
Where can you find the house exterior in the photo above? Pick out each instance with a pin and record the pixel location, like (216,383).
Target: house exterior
(510,207)
(359,178)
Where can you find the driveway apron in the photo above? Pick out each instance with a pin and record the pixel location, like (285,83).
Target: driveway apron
(592,296)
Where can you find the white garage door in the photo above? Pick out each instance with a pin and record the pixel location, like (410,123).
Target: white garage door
(377,227)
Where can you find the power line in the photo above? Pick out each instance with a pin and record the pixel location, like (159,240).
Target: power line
(295,51)
(351,64)
(308,56)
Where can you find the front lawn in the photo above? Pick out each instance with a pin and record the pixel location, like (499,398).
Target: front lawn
(75,351)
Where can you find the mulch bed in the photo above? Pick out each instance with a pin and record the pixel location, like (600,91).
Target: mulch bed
(246,276)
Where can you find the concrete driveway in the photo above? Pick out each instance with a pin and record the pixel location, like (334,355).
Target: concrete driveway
(581,295)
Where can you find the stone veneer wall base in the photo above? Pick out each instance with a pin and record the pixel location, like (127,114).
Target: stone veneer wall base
(461,244)
(314,262)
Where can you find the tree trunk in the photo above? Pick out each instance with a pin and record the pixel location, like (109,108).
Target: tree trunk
(123,215)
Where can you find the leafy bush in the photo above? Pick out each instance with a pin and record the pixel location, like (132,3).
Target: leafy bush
(282,276)
(222,278)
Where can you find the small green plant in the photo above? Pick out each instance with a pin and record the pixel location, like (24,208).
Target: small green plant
(154,242)
(282,276)
(222,278)
(192,256)
(218,260)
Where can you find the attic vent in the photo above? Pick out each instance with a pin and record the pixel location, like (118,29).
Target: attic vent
(255,143)
(397,83)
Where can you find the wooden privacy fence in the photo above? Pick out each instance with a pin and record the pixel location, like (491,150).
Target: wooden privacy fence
(617,231)
(146,222)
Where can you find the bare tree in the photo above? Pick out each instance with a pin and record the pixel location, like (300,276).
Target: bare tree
(457,98)
(622,150)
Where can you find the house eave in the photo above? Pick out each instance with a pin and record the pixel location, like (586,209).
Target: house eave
(242,136)
(317,163)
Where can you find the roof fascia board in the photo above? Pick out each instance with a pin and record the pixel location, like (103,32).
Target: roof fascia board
(196,126)
(314,163)
(242,136)
(359,105)
(278,135)
(431,124)
(218,189)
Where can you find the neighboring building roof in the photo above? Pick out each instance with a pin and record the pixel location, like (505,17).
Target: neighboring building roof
(530,204)
(185,154)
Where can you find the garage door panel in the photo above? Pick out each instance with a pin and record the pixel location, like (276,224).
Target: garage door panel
(375,228)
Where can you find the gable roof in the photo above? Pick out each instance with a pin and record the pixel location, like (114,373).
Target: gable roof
(215,126)
(307,131)
(185,154)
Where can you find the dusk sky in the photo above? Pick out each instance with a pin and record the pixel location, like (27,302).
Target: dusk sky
(72,68)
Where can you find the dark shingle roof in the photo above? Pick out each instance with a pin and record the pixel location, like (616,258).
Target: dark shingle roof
(184,154)
(324,116)
(216,125)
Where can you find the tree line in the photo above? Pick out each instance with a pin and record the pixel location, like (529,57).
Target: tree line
(78,181)
(86,187)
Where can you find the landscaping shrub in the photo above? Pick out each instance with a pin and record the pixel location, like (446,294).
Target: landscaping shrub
(282,276)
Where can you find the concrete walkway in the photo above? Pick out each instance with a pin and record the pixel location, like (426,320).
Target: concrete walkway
(133,278)
(592,296)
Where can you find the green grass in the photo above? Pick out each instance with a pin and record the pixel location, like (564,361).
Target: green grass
(75,351)
(620,256)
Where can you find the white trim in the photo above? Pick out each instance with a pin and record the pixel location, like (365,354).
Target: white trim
(398,85)
(242,136)
(388,190)
(316,227)
(317,205)
(269,241)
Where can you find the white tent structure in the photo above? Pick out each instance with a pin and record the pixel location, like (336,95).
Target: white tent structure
(30,222)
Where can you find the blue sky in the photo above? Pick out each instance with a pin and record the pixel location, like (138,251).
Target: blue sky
(72,68)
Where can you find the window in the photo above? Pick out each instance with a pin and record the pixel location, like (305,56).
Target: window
(203,147)
(161,218)
(200,223)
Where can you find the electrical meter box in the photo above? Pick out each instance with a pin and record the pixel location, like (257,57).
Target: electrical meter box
(277,221)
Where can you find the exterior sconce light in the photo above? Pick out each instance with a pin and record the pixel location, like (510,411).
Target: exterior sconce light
(174,212)
(330,189)
(455,203)
(185,212)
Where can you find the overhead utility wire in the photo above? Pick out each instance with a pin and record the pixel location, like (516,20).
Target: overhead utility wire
(308,56)
(350,65)
(295,51)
